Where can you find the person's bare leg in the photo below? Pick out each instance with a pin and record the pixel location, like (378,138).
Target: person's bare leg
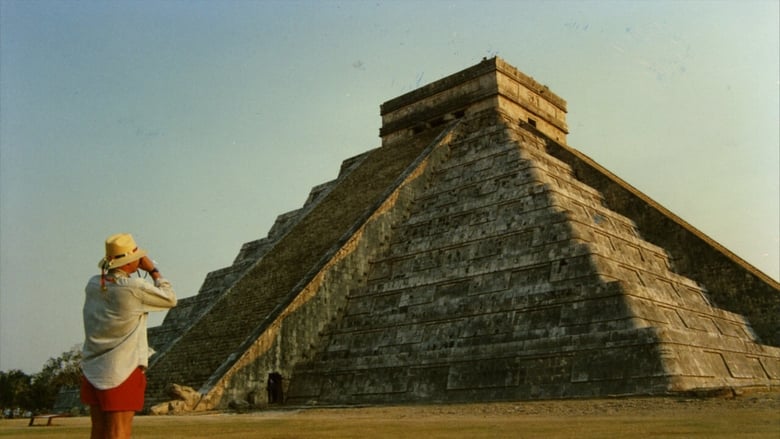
(119,425)
(98,417)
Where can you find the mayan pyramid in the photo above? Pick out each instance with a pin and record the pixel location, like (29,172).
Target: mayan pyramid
(473,256)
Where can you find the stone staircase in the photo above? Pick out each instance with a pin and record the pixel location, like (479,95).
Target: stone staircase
(190,309)
(207,343)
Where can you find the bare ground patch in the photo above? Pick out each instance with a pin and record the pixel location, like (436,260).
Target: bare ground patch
(751,416)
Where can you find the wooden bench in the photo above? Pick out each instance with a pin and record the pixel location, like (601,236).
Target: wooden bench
(48,417)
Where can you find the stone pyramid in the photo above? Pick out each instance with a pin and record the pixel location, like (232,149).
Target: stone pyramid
(473,256)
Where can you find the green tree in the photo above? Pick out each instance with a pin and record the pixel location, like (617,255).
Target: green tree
(14,388)
(57,373)
(38,392)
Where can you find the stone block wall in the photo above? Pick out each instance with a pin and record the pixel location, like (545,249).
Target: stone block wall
(211,346)
(490,84)
(511,279)
(190,310)
(473,256)
(293,337)
(730,282)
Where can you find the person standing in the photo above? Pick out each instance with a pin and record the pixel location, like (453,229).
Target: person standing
(116,351)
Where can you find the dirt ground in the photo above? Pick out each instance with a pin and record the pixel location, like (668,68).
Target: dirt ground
(754,415)
(612,406)
(593,407)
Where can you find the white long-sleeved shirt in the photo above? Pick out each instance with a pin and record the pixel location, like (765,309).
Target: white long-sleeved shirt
(115,341)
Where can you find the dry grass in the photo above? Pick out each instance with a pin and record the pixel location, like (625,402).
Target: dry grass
(750,416)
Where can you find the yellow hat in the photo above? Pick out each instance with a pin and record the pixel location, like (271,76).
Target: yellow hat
(120,250)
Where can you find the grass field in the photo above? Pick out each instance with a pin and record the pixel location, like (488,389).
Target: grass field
(752,416)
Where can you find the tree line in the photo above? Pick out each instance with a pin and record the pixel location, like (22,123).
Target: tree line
(38,392)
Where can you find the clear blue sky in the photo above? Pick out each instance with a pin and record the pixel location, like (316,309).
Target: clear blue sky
(194,124)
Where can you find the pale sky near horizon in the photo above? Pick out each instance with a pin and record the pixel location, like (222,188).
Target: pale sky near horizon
(194,124)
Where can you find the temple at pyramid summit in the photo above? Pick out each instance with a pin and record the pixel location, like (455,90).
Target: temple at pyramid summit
(473,256)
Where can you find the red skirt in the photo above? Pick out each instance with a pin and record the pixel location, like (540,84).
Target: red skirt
(126,397)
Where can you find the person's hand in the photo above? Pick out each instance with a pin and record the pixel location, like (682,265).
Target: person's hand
(146,264)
